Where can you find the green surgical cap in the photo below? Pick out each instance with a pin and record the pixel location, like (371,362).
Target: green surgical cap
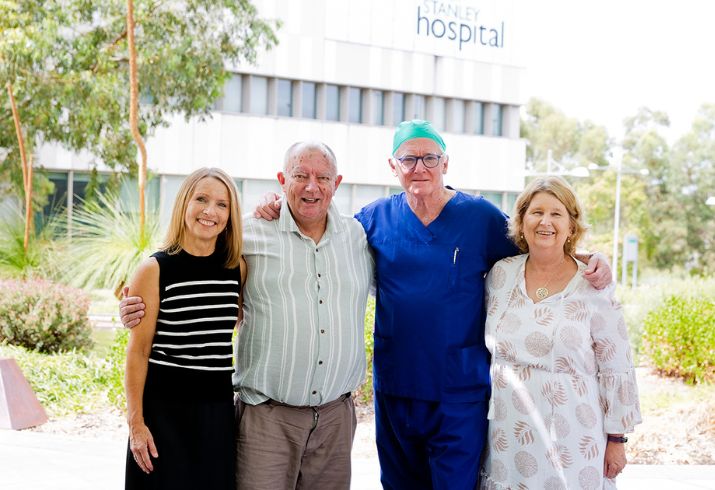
(417,128)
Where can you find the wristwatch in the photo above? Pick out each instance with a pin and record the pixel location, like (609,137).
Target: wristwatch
(619,439)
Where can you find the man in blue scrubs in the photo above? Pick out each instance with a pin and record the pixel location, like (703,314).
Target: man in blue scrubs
(432,248)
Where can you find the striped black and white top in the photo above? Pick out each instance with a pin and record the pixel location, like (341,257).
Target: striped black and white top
(198,311)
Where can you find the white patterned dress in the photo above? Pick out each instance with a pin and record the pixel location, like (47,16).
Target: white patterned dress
(562,379)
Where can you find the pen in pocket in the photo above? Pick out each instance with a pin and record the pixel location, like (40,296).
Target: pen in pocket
(454,256)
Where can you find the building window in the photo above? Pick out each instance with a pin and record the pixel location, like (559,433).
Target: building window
(493,197)
(456,116)
(510,202)
(365,194)
(308,100)
(255,189)
(418,107)
(342,199)
(231,100)
(497,116)
(332,103)
(378,107)
(398,108)
(438,113)
(258,95)
(478,117)
(285,98)
(354,105)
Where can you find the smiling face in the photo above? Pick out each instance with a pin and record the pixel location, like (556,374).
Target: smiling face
(546,223)
(420,181)
(207,211)
(309,182)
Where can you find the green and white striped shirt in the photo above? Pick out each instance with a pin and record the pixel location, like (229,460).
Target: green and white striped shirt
(301,340)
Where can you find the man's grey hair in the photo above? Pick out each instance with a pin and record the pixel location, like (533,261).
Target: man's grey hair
(301,146)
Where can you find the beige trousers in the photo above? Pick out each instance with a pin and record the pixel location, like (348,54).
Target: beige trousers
(279,446)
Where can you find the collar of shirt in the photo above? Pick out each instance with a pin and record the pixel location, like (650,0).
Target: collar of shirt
(287,224)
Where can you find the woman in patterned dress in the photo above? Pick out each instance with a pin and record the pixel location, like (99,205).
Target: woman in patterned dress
(563,383)
(179,358)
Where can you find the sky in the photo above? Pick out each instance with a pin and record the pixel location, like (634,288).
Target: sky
(602,60)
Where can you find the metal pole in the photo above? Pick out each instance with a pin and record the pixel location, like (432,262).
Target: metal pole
(616,220)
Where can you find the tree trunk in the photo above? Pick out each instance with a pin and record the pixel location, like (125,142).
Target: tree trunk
(134,112)
(26,168)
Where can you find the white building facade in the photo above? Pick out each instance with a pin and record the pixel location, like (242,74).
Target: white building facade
(345,72)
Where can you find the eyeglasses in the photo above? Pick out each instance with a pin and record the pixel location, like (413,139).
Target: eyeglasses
(430,160)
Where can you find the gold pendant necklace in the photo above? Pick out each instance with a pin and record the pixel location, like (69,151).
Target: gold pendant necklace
(543,291)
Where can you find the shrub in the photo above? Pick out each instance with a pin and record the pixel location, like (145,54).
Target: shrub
(651,294)
(108,243)
(41,258)
(364,394)
(116,360)
(44,316)
(679,338)
(74,382)
(64,383)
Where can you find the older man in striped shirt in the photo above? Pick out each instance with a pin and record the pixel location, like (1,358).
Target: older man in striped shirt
(300,350)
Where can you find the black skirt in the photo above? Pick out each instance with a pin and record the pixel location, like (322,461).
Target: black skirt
(195,442)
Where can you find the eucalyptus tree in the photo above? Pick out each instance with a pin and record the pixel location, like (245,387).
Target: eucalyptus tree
(68,63)
(692,179)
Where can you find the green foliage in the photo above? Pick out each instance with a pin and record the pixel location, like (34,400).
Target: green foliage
(650,294)
(44,316)
(571,142)
(679,338)
(73,382)
(116,360)
(39,258)
(691,182)
(68,63)
(107,243)
(364,394)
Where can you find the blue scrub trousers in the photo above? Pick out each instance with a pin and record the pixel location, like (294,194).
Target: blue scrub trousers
(429,445)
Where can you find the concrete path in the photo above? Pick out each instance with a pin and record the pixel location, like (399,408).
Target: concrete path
(40,461)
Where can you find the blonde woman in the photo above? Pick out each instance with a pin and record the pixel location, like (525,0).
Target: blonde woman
(563,384)
(179,358)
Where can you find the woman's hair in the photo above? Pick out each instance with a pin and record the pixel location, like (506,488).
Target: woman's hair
(230,239)
(562,191)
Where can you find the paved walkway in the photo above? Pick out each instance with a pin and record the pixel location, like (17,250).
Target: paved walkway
(40,461)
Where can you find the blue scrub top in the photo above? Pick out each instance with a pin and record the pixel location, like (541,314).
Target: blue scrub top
(429,319)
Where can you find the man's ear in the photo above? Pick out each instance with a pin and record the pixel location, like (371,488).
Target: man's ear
(338,179)
(281,178)
(391,163)
(445,164)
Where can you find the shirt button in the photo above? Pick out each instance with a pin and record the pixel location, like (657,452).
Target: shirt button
(321,301)
(319,274)
(322,330)
(316,249)
(320,363)
(315,392)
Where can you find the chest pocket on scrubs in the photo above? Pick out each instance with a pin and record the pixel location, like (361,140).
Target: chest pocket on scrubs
(466,269)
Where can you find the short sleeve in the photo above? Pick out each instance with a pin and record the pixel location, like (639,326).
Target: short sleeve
(616,374)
